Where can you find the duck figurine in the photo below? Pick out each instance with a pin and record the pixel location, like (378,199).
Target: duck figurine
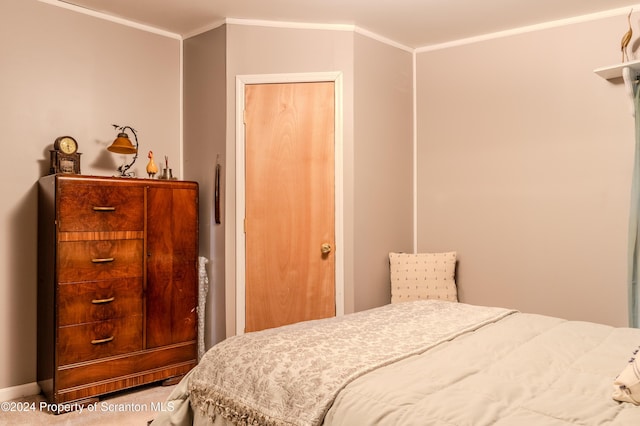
(152,169)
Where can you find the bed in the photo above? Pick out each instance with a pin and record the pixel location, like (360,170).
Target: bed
(423,362)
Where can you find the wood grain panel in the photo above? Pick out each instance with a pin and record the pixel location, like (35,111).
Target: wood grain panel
(126,365)
(99,206)
(98,235)
(172,243)
(289,203)
(99,300)
(78,343)
(91,260)
(118,383)
(81,380)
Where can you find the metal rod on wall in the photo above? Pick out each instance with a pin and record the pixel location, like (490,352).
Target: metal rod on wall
(217,191)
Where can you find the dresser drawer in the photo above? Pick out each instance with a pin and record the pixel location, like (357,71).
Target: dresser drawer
(99,300)
(100,339)
(87,206)
(99,260)
(141,367)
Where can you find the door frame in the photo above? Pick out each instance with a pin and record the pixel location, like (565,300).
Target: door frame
(241,82)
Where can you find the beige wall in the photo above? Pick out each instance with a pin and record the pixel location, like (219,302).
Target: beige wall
(265,50)
(377,89)
(525,160)
(68,73)
(383,172)
(204,105)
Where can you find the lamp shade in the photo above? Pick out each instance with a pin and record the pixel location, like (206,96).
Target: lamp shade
(122,145)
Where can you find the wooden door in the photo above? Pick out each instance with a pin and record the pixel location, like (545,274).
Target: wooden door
(289,203)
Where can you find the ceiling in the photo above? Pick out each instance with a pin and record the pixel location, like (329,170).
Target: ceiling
(412,23)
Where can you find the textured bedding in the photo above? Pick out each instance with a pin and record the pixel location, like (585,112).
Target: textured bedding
(416,363)
(523,370)
(290,375)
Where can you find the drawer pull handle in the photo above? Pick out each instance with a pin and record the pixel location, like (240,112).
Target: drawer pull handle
(102,301)
(103,260)
(100,341)
(104,209)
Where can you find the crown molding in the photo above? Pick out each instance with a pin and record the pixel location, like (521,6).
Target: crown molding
(527,29)
(288,24)
(382,39)
(85,11)
(346,27)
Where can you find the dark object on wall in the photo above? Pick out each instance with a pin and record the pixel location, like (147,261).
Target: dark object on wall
(217,195)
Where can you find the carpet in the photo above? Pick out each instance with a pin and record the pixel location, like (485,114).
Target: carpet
(132,407)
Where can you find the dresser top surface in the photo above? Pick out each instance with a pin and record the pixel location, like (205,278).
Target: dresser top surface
(117,180)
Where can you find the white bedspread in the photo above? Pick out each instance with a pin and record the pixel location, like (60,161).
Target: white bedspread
(523,370)
(291,375)
(434,363)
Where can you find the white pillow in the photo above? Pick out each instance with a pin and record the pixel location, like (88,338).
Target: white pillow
(626,387)
(423,276)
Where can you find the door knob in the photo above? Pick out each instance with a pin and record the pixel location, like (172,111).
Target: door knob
(325,248)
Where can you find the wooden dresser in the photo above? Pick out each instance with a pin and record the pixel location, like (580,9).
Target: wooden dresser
(117,283)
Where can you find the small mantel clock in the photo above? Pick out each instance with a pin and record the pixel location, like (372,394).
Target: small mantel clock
(65,157)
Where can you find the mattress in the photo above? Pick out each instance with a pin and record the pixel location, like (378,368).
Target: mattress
(476,366)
